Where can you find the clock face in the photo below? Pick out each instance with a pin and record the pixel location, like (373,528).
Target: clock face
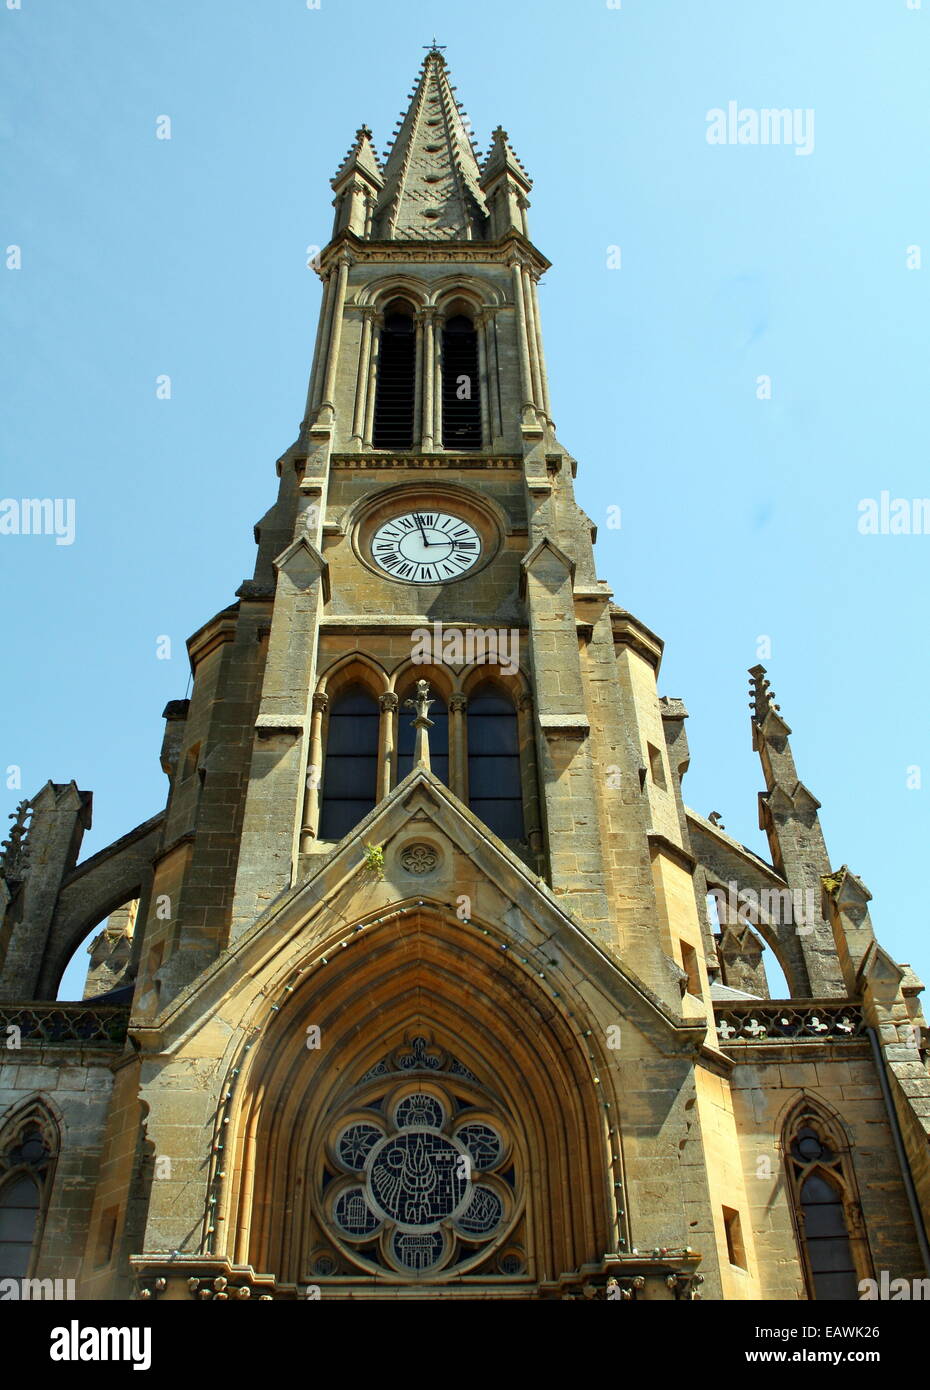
(426,547)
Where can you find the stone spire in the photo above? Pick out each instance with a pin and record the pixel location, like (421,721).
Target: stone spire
(431,178)
(505,184)
(788,815)
(357,184)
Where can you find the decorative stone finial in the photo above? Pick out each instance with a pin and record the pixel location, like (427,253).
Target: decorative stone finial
(14,851)
(763,697)
(421,703)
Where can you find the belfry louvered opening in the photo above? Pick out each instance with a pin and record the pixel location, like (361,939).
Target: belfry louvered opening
(397,365)
(461,390)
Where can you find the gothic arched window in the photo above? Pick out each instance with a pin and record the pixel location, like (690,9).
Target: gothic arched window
(26,1161)
(396,390)
(438,737)
(825,1209)
(350,772)
(495,788)
(461,389)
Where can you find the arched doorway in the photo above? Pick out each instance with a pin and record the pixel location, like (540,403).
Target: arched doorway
(446,1129)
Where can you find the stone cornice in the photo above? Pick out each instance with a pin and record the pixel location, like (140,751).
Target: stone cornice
(219,629)
(630,632)
(662,845)
(499,252)
(269,725)
(364,623)
(565,725)
(424,461)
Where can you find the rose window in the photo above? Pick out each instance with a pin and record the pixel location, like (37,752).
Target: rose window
(419,1180)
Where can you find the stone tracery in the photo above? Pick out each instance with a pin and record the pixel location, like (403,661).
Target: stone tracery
(414,1182)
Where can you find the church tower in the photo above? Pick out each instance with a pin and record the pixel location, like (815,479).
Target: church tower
(432,985)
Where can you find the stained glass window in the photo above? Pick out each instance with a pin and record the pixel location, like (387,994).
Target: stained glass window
(353,1213)
(412,1182)
(356,1143)
(483,1214)
(824,1191)
(494,785)
(350,771)
(419,1110)
(482,1143)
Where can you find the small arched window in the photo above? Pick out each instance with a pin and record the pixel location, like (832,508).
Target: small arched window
(438,736)
(461,389)
(495,789)
(821,1183)
(396,389)
(350,772)
(19,1215)
(26,1162)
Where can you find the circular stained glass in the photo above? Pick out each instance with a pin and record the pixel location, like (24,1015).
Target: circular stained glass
(353,1213)
(356,1143)
(418,1178)
(417,1250)
(419,1110)
(421,1191)
(483,1213)
(482,1142)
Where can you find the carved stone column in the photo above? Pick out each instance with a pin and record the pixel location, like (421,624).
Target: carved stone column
(487,317)
(532,331)
(386,742)
(437,383)
(327,405)
(364,373)
(540,354)
(529,780)
(314,777)
(426,328)
(315,387)
(523,347)
(373,357)
(483,385)
(458,761)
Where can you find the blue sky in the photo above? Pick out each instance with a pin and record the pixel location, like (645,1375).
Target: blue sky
(739,515)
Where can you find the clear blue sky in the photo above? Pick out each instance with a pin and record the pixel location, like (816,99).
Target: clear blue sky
(186,257)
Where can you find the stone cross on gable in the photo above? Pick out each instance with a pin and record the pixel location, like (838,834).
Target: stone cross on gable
(421,703)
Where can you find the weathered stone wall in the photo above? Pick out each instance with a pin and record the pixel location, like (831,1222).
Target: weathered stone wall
(75,1084)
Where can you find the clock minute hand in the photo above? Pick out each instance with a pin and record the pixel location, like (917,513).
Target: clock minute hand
(422,532)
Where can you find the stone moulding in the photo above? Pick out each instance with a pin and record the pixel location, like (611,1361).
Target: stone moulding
(416,460)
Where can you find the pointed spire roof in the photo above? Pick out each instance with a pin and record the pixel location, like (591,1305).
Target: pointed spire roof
(501,158)
(361,156)
(431,176)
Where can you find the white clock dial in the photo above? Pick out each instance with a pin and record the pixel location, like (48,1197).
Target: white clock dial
(426,547)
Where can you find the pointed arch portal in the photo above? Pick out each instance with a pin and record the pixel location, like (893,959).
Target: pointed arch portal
(446,1127)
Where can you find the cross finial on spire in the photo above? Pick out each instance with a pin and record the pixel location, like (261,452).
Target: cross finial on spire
(435,47)
(421,703)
